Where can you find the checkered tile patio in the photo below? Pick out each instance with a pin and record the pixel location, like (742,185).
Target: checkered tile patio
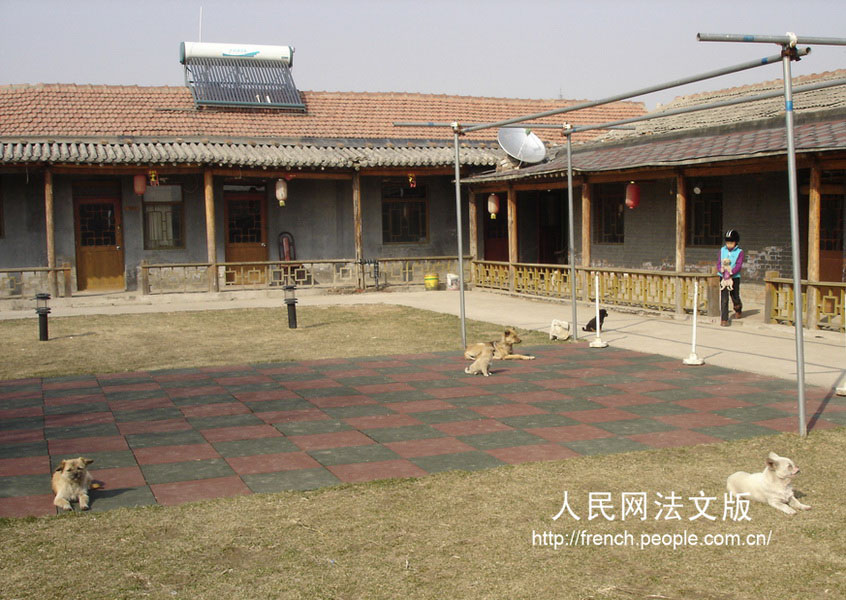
(168,437)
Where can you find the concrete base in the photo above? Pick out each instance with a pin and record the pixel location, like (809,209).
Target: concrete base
(598,343)
(693,360)
(841,391)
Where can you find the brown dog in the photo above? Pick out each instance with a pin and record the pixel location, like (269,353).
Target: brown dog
(502,350)
(482,364)
(71,482)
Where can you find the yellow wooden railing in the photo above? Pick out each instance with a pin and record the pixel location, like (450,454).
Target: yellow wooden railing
(658,290)
(824,311)
(25,282)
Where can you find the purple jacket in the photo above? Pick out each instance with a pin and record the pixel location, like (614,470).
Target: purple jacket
(736,257)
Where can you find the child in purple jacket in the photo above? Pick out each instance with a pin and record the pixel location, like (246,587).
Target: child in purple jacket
(731,260)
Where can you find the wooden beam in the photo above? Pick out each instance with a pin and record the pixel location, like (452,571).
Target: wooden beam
(513,245)
(473,220)
(211,236)
(586,214)
(357,228)
(50,226)
(814,202)
(681,222)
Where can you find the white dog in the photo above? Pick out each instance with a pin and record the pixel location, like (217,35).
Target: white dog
(772,486)
(559,330)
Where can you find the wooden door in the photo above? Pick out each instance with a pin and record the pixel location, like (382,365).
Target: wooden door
(831,233)
(99,243)
(246,235)
(496,237)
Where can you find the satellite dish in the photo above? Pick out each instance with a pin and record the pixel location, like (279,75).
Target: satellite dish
(521,144)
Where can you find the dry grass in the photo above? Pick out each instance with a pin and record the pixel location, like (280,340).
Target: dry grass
(452,535)
(103,344)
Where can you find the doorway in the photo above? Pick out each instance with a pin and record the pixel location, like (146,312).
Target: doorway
(245,216)
(99,238)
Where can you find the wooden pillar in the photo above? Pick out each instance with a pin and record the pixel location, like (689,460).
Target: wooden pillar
(681,232)
(513,246)
(211,236)
(586,238)
(814,201)
(50,231)
(357,224)
(473,233)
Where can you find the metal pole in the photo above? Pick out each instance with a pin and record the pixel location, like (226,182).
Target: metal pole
(456,129)
(794,239)
(571,243)
(647,90)
(789,39)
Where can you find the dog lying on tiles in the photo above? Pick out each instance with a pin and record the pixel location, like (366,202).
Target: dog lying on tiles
(502,349)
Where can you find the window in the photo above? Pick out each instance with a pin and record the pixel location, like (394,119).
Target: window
(405,213)
(163,217)
(705,212)
(610,209)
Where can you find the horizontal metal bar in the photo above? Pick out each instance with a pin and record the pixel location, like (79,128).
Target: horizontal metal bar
(723,103)
(648,90)
(526,125)
(769,39)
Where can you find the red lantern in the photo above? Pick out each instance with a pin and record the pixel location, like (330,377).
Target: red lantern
(493,205)
(632,195)
(139,185)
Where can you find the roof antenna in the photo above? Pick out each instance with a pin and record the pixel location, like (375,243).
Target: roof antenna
(200,37)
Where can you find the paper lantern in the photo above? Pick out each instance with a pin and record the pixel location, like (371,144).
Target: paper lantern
(139,184)
(632,195)
(493,205)
(281,191)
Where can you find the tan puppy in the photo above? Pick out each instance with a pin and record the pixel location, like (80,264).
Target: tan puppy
(502,350)
(71,482)
(727,283)
(482,364)
(772,486)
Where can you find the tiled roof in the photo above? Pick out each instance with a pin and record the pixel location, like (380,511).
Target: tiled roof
(94,111)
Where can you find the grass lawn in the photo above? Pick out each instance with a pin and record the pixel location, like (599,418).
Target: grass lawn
(485,534)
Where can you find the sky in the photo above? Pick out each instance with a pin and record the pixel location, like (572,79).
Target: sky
(577,50)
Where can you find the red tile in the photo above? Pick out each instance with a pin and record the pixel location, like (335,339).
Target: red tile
(244,380)
(641,387)
(387,469)
(27,506)
(309,384)
(20,395)
(570,433)
(163,426)
(679,437)
(245,432)
(497,377)
(693,420)
(381,388)
(419,376)
(69,420)
(70,385)
(17,413)
(30,465)
(728,389)
(133,387)
(498,411)
(169,378)
(536,453)
(287,416)
(157,455)
(265,395)
(562,384)
(169,494)
(83,445)
(379,421)
(117,377)
(430,447)
(272,463)
(471,427)
(715,403)
(617,400)
(337,439)
(287,370)
(541,396)
(457,392)
(143,404)
(339,374)
(226,368)
(20,436)
(340,401)
(194,391)
(119,478)
(791,424)
(600,415)
(214,410)
(386,364)
(69,400)
(419,406)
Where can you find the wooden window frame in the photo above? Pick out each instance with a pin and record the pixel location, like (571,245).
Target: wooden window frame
(173,205)
(398,193)
(609,200)
(704,229)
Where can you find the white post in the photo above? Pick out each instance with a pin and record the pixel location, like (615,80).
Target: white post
(597,343)
(693,359)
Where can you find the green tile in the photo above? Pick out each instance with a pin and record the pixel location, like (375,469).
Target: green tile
(364,380)
(301,479)
(462,461)
(65,433)
(278,405)
(634,426)
(836,417)
(269,445)
(736,431)
(186,471)
(74,409)
(170,438)
(23,450)
(150,414)
(242,420)
(659,409)
(449,415)
(13,403)
(353,454)
(677,394)
(534,421)
(606,446)
(202,400)
(24,485)
(64,393)
(431,384)
(366,410)
(513,388)
(186,383)
(567,405)
(328,392)
(758,398)
(538,376)
(102,460)
(312,427)
(108,499)
(21,423)
(501,439)
(592,391)
(752,413)
(489,400)
(401,396)
(633,368)
(295,376)
(142,395)
(402,434)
